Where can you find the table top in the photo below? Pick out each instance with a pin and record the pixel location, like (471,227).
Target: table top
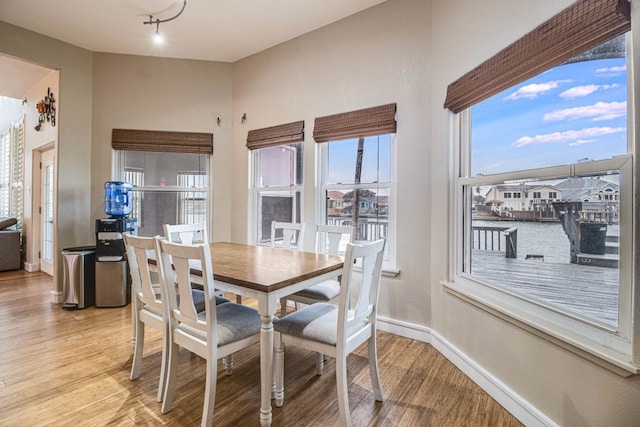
(267,269)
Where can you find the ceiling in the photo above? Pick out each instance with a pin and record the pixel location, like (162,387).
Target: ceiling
(211,30)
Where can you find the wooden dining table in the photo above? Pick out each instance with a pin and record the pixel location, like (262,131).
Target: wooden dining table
(268,274)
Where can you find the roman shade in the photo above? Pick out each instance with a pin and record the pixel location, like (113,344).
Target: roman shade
(162,141)
(578,28)
(373,121)
(276,135)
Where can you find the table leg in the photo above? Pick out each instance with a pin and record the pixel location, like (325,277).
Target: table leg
(266,369)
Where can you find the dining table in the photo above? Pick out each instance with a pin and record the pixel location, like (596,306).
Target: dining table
(268,274)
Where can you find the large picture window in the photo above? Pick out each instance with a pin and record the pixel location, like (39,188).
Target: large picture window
(543,199)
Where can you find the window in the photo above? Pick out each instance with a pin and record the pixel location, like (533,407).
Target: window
(356,173)
(169,172)
(276,157)
(361,199)
(568,138)
(12,172)
(277,187)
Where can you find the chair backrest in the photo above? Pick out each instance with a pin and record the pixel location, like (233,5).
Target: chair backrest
(139,251)
(292,234)
(330,238)
(358,304)
(174,268)
(188,234)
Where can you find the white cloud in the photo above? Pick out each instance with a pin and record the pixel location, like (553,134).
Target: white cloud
(598,111)
(612,71)
(570,136)
(533,90)
(581,142)
(580,91)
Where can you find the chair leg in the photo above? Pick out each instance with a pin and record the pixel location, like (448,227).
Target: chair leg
(373,367)
(279,362)
(210,389)
(343,391)
(319,363)
(283,307)
(170,380)
(137,350)
(227,364)
(164,365)
(238,299)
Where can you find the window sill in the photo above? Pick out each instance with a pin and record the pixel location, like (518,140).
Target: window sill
(611,359)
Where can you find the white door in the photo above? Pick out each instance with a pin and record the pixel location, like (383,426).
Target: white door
(47,213)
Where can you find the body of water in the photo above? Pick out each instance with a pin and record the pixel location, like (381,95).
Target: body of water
(541,238)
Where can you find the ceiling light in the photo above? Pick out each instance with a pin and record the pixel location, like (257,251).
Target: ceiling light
(157,37)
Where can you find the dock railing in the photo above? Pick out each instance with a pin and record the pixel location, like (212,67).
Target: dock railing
(491,239)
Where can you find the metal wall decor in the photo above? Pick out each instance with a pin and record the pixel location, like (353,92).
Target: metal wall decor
(47,110)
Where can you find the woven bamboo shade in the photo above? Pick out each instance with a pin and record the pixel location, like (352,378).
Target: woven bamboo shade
(373,121)
(580,27)
(163,141)
(275,135)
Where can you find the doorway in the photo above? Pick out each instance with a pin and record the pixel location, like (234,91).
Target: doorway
(47,210)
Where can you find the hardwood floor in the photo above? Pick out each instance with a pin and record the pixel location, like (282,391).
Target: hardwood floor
(71,368)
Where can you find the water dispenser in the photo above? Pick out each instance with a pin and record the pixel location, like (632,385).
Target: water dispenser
(112,276)
(117,199)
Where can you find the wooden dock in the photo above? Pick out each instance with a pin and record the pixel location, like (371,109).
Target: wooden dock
(586,290)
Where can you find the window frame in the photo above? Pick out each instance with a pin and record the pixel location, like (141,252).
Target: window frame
(584,336)
(255,190)
(118,172)
(389,263)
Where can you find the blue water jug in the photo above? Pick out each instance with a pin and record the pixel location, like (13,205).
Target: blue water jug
(117,198)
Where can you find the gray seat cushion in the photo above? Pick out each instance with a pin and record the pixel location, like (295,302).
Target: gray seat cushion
(198,299)
(317,322)
(235,322)
(323,291)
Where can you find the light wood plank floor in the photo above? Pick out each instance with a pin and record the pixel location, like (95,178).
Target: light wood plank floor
(71,368)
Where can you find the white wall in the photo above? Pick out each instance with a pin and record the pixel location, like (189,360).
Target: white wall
(373,58)
(136,92)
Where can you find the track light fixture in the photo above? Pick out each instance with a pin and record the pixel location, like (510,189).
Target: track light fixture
(157,37)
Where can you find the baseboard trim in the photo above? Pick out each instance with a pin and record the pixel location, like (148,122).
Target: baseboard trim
(520,408)
(32,267)
(56,297)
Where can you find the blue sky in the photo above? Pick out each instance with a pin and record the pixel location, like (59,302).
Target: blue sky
(571,112)
(375,160)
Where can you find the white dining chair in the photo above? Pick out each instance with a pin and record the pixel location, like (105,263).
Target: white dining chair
(215,333)
(187,234)
(191,234)
(146,304)
(287,235)
(329,240)
(337,330)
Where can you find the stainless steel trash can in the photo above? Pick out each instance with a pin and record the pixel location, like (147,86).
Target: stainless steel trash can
(78,286)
